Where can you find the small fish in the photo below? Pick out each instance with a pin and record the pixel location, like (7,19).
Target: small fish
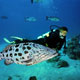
(52,18)
(4,17)
(30,19)
(36,1)
(26,53)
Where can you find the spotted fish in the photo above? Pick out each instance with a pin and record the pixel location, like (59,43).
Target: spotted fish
(26,53)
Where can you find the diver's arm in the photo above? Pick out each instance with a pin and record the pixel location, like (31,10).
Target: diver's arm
(43,35)
(65,43)
(53,35)
(59,47)
(62,44)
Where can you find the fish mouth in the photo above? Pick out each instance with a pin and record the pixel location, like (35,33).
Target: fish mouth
(53,55)
(46,57)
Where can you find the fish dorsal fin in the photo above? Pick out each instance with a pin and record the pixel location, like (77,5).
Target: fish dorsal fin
(8,62)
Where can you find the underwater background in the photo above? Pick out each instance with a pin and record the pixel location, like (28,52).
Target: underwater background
(13,22)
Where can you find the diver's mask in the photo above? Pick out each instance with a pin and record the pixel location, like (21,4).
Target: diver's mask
(62,37)
(62,34)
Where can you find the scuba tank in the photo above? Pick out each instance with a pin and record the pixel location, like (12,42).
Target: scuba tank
(50,32)
(53,29)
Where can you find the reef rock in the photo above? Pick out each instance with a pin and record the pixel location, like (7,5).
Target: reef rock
(73,48)
(9,78)
(62,63)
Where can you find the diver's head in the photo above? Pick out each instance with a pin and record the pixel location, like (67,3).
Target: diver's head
(63,32)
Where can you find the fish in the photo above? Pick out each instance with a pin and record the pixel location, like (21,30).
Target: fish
(28,53)
(4,17)
(30,19)
(52,18)
(36,1)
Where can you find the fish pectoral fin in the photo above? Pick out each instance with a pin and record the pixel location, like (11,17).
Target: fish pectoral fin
(8,62)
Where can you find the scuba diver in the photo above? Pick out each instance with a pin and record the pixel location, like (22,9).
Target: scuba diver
(54,39)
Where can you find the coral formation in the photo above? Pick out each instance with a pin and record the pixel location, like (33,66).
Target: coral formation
(73,48)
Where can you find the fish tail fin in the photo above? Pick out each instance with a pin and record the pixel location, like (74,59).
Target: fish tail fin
(46,17)
(1,56)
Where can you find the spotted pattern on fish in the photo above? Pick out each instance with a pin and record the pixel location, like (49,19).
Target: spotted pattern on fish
(27,53)
(23,48)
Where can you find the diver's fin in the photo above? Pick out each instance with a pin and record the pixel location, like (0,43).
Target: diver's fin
(10,42)
(8,62)
(15,37)
(6,40)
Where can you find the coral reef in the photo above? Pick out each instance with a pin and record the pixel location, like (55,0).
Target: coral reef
(73,48)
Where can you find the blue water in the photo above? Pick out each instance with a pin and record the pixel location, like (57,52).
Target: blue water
(69,13)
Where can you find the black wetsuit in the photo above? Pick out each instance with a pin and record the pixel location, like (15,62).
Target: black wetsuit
(53,41)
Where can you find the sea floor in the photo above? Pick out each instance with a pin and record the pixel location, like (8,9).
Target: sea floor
(43,70)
